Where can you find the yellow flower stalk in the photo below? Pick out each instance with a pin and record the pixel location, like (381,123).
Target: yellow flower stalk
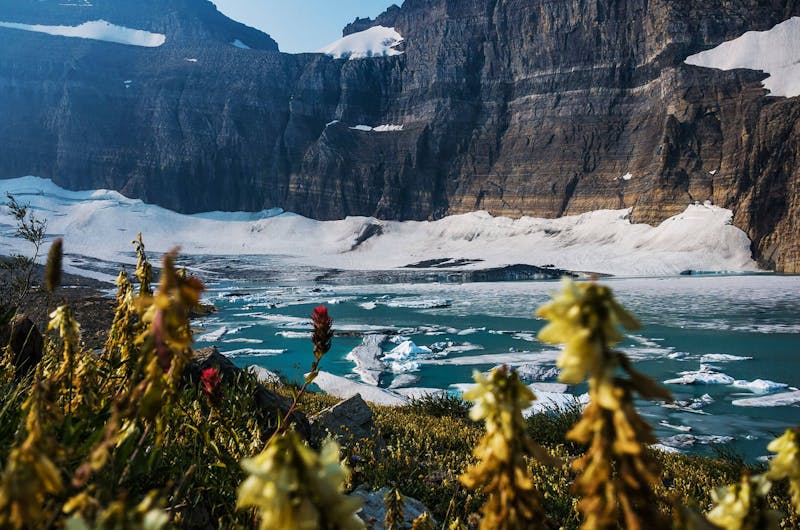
(585,318)
(616,475)
(293,487)
(502,471)
(743,506)
(786,464)
(144,271)
(119,346)
(166,340)
(30,475)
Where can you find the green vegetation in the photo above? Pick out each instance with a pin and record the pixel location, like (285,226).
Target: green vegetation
(124,438)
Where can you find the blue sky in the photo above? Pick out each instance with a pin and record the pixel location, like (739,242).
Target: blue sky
(301,25)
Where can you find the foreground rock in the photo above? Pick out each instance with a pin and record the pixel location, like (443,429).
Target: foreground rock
(349,421)
(25,341)
(373,512)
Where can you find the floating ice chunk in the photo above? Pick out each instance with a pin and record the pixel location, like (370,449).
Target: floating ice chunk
(367,357)
(721,358)
(784,399)
(550,388)
(369,306)
(403,380)
(344,388)
(470,331)
(96,30)
(377,41)
(401,367)
(255,352)
(406,350)
(442,349)
(694,406)
(496,358)
(190,59)
(760,386)
(682,428)
(294,334)
(706,375)
(536,372)
(683,441)
(775,51)
(412,303)
(213,336)
(243,340)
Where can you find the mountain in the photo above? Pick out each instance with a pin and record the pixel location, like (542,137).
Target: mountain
(518,107)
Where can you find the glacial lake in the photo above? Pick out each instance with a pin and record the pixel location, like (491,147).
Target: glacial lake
(725,339)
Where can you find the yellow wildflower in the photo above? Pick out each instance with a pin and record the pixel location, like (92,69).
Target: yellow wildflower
(786,463)
(501,472)
(616,475)
(585,318)
(742,506)
(295,488)
(68,328)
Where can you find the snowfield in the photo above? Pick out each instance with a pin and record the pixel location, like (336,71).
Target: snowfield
(101,224)
(96,30)
(775,51)
(377,41)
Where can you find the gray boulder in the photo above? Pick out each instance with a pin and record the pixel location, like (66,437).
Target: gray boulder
(348,421)
(25,341)
(373,512)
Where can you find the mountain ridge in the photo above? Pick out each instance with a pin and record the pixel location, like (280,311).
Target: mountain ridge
(515,107)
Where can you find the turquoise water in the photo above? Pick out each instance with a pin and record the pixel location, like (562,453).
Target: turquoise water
(755,318)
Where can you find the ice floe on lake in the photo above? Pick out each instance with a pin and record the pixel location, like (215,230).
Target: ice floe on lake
(685,441)
(706,375)
(722,358)
(344,388)
(784,399)
(254,352)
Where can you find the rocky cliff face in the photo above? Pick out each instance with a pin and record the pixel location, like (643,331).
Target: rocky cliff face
(518,107)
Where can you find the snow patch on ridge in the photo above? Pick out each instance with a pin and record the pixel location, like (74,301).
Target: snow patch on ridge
(96,30)
(380,128)
(101,224)
(775,51)
(377,41)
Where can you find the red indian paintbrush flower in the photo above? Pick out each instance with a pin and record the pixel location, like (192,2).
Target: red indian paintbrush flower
(323,333)
(211,383)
